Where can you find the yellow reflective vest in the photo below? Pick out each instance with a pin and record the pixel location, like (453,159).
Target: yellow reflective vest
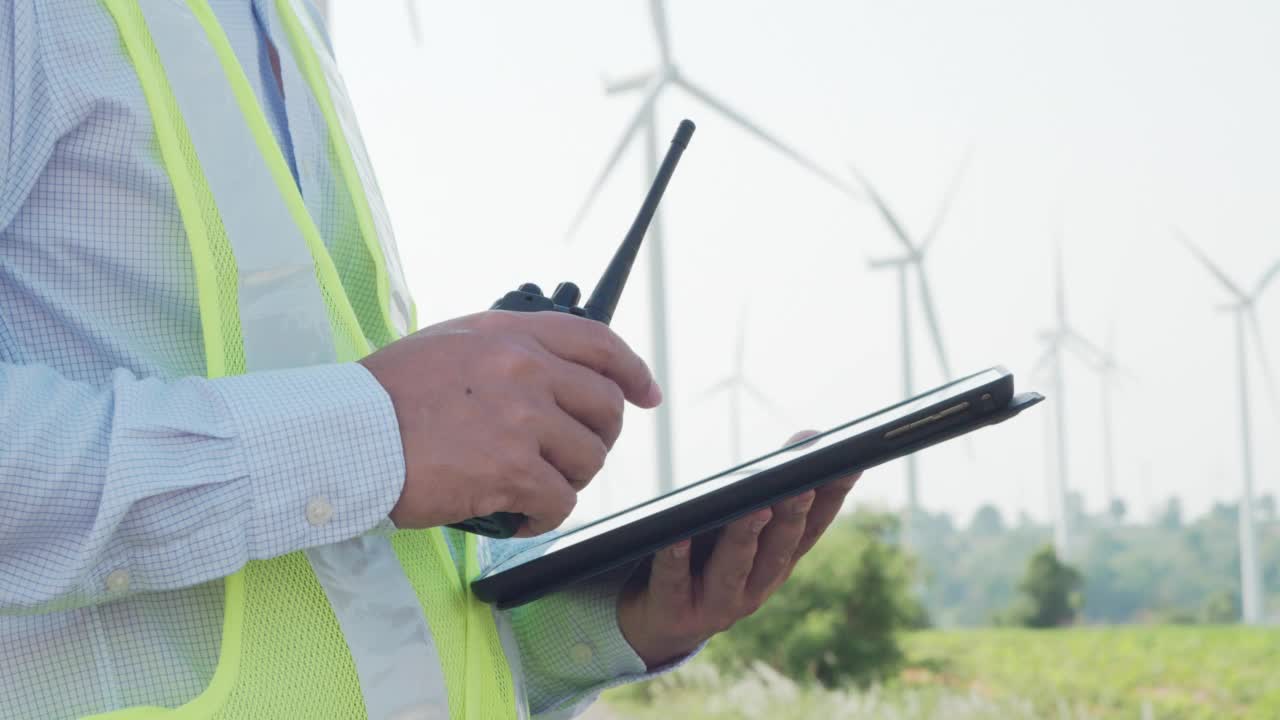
(378,626)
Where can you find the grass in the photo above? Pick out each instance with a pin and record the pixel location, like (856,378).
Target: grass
(1169,672)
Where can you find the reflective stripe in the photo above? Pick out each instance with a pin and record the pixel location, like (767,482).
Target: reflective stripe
(395,655)
(331,94)
(282,313)
(511,648)
(285,324)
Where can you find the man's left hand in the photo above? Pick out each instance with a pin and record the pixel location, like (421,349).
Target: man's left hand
(676,611)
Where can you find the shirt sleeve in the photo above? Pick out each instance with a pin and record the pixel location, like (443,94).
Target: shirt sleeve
(146,485)
(571,648)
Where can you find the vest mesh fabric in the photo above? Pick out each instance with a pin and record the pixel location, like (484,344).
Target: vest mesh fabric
(479,689)
(287,619)
(358,273)
(358,256)
(288,657)
(217,277)
(349,341)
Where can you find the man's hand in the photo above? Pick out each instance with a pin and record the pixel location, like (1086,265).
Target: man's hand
(676,611)
(503,411)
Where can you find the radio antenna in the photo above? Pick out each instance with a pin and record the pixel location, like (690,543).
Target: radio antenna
(604,299)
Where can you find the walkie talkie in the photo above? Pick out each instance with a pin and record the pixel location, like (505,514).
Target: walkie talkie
(599,307)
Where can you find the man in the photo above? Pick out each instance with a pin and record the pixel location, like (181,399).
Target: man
(223,470)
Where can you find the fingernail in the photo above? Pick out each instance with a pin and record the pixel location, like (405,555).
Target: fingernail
(680,549)
(655,393)
(803,503)
(758,525)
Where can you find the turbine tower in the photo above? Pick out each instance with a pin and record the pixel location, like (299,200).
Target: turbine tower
(1110,372)
(912,260)
(652,84)
(1061,338)
(1244,306)
(736,385)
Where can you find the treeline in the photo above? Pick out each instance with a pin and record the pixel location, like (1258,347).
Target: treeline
(1173,569)
(839,619)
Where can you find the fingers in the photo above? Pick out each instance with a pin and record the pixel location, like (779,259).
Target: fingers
(595,346)
(591,398)
(571,448)
(725,577)
(800,437)
(776,553)
(543,495)
(826,505)
(670,584)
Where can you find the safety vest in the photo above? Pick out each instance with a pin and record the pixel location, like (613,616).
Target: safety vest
(381,626)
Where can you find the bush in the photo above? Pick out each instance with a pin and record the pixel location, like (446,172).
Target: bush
(835,620)
(1050,593)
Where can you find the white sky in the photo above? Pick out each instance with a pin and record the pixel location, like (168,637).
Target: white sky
(1121,119)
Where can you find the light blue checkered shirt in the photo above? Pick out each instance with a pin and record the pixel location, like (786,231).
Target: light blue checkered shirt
(129,484)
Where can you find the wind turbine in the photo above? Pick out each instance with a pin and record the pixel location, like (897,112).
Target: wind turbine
(1109,373)
(912,259)
(1244,306)
(652,84)
(736,385)
(1059,338)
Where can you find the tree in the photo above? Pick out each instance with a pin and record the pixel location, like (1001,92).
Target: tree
(1050,592)
(1171,517)
(987,521)
(1222,608)
(1266,508)
(836,619)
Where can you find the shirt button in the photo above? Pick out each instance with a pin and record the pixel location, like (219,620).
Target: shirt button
(118,581)
(319,511)
(582,653)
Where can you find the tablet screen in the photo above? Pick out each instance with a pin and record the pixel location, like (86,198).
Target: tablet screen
(736,474)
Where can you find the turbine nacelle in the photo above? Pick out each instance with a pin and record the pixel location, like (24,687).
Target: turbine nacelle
(639,81)
(915,257)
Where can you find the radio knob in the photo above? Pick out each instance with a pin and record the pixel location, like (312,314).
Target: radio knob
(566,294)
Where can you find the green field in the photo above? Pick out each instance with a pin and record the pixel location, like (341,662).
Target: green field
(1123,672)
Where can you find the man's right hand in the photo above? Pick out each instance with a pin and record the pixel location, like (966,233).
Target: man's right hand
(504,411)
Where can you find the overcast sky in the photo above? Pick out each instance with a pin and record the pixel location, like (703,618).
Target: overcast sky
(1116,120)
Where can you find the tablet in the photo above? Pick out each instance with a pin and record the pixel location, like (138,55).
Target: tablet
(633,534)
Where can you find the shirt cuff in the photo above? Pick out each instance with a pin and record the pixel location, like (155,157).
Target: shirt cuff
(572,649)
(322,448)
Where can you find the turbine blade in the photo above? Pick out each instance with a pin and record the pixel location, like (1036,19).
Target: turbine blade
(719,387)
(947,199)
(1088,352)
(1264,358)
(741,120)
(740,344)
(931,317)
(890,219)
(1214,269)
(415,23)
(1059,284)
(638,81)
(1050,347)
(634,126)
(1266,279)
(773,408)
(659,15)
